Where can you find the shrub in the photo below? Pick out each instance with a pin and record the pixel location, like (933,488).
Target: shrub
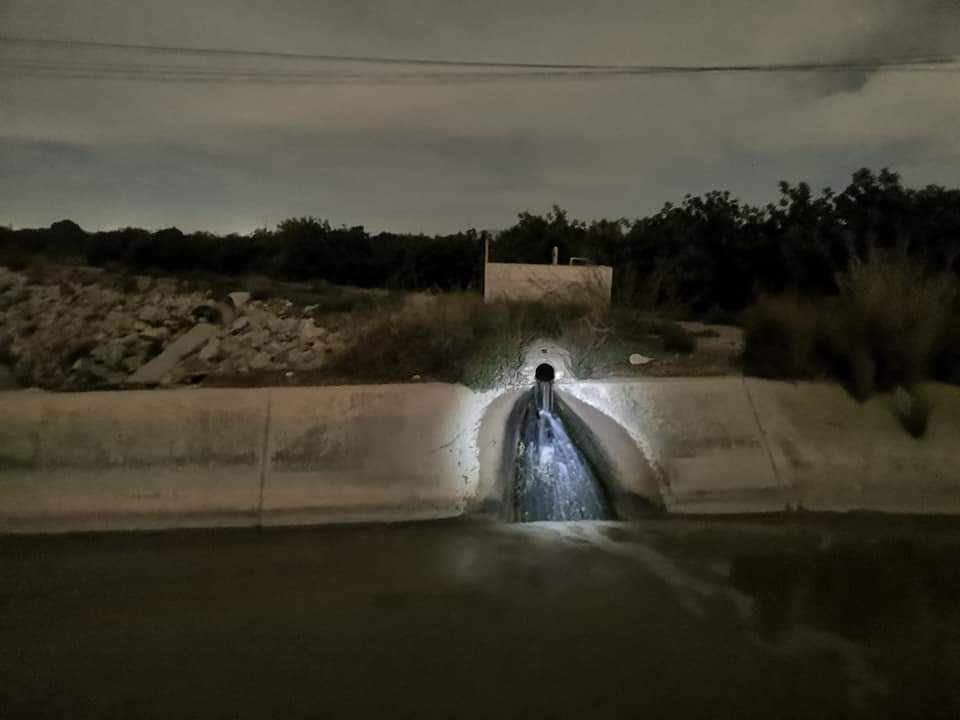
(127,284)
(6,350)
(889,325)
(38,271)
(913,410)
(894,311)
(947,361)
(17,262)
(717,315)
(675,338)
(780,335)
(585,339)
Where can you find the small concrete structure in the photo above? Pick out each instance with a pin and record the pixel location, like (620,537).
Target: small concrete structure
(551,283)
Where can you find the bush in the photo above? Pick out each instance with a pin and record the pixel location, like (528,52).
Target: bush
(889,326)
(895,312)
(780,336)
(127,284)
(717,315)
(6,350)
(675,338)
(913,410)
(947,362)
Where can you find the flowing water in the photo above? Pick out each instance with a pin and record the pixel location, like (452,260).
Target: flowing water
(553,480)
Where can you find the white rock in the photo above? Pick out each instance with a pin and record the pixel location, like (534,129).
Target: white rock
(152,314)
(259,339)
(309,332)
(114,355)
(211,351)
(637,359)
(132,364)
(238,299)
(157,333)
(240,324)
(260,361)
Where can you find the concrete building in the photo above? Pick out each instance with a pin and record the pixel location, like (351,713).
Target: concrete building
(552,283)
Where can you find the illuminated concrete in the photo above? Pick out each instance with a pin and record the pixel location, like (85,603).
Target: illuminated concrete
(729,445)
(244,457)
(629,476)
(546,351)
(699,436)
(497,437)
(385,452)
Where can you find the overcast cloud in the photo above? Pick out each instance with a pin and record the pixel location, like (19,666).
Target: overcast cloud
(444,157)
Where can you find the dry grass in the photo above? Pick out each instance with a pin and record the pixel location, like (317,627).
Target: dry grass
(895,313)
(453,337)
(888,326)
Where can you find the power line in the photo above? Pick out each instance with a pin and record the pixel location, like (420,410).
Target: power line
(931,59)
(171,73)
(443,71)
(275,55)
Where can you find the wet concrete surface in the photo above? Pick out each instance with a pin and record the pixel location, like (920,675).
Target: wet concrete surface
(665,618)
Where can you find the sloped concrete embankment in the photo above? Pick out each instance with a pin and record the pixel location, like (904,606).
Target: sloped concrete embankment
(224,457)
(206,458)
(734,445)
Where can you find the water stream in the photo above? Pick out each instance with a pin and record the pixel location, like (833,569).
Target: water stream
(553,480)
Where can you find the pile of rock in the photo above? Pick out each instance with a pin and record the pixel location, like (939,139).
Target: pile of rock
(76,330)
(81,328)
(266,336)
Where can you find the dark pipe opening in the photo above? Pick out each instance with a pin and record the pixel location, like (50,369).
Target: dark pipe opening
(544,390)
(544,373)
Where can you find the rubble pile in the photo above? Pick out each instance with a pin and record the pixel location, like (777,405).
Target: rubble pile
(77,328)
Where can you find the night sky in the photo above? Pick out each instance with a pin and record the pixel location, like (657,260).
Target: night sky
(412,156)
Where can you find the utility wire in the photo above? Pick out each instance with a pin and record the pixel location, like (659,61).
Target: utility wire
(932,59)
(213,75)
(443,71)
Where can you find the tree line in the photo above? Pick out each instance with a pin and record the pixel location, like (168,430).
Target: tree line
(706,252)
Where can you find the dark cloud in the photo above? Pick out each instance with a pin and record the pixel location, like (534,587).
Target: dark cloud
(440,157)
